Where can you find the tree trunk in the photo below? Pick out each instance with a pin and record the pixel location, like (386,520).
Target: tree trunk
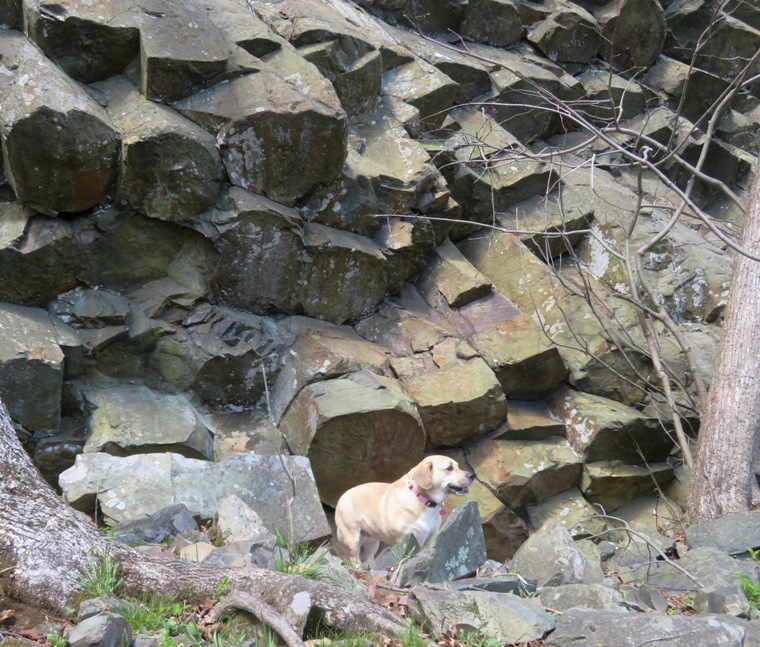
(723,479)
(46,542)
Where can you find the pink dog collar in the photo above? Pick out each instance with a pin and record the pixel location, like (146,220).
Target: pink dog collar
(427,502)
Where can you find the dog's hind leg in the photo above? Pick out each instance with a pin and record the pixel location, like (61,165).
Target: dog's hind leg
(349,541)
(369,546)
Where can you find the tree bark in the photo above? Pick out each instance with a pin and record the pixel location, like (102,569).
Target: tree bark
(723,479)
(46,542)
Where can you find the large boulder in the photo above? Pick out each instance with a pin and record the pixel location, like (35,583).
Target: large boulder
(221,355)
(602,429)
(524,471)
(133,419)
(60,149)
(88,41)
(133,487)
(170,167)
(259,243)
(633,32)
(329,287)
(274,139)
(345,427)
(551,557)
(31,365)
(570,34)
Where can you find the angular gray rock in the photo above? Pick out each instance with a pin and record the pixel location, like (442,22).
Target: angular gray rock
(166,479)
(170,167)
(524,471)
(31,365)
(611,628)
(273,139)
(505,617)
(551,557)
(133,419)
(346,425)
(89,41)
(156,528)
(736,534)
(457,550)
(259,243)
(104,630)
(329,287)
(602,429)
(50,122)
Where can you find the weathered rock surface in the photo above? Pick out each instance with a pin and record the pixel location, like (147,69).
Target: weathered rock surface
(283,147)
(31,365)
(166,479)
(345,427)
(134,420)
(49,122)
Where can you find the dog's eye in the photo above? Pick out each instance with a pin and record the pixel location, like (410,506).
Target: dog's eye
(450,468)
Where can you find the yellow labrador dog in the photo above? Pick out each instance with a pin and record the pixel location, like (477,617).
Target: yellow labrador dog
(387,512)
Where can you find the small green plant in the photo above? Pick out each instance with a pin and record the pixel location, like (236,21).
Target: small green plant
(222,587)
(301,559)
(412,636)
(154,615)
(102,576)
(479,639)
(403,550)
(56,640)
(751,588)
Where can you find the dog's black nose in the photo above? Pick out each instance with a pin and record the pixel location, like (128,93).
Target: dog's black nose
(470,476)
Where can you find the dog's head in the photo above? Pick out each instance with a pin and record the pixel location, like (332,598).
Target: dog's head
(440,476)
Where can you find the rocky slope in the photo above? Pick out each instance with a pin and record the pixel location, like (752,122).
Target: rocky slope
(233,229)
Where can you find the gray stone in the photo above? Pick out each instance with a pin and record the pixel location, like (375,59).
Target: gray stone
(170,167)
(181,50)
(457,400)
(31,365)
(324,354)
(633,32)
(103,630)
(526,471)
(602,429)
(503,616)
(726,601)
(493,22)
(236,521)
(273,139)
(165,479)
(328,288)
(588,596)
(611,484)
(550,556)
(89,42)
(345,426)
(456,551)
(530,420)
(569,508)
(611,628)
(734,534)
(707,565)
(423,86)
(260,246)
(158,527)
(221,355)
(569,34)
(451,273)
(132,419)
(50,122)
(615,96)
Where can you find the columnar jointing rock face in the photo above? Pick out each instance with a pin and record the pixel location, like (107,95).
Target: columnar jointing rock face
(60,148)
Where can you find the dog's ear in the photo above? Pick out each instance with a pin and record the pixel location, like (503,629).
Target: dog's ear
(422,475)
